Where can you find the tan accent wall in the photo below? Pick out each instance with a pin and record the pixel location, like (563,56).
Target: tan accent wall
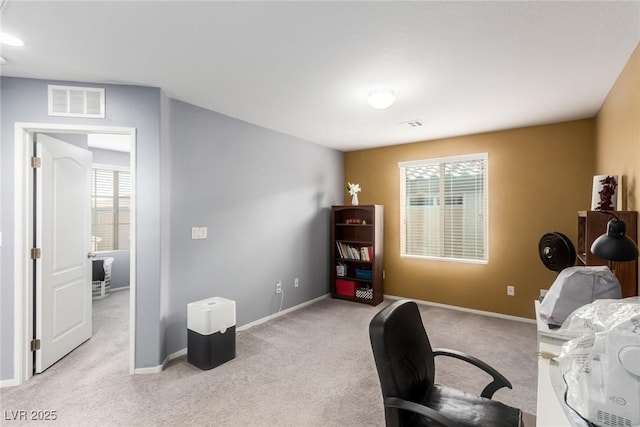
(539,177)
(618,132)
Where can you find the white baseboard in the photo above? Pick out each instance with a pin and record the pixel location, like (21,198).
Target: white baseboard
(9,383)
(182,352)
(151,370)
(160,368)
(468,310)
(281,313)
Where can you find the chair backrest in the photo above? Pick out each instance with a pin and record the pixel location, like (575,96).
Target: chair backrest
(403,355)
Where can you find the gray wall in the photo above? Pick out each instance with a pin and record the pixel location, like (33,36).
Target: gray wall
(77,139)
(120,268)
(25,100)
(110,157)
(265,198)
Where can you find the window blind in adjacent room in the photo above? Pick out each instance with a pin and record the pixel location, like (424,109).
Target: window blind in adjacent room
(110,209)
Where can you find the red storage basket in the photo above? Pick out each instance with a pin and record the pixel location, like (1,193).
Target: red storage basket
(345,287)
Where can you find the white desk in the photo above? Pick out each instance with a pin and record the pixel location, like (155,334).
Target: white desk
(549,411)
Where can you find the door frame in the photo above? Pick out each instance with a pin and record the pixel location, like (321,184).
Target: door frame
(23,236)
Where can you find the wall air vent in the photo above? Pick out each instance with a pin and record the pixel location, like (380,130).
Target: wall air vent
(413,123)
(70,101)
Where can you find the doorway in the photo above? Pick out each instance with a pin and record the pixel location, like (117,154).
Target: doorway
(24,237)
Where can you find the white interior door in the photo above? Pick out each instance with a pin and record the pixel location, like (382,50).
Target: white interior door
(63,232)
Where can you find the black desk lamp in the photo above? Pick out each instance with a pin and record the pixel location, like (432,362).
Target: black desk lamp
(614,245)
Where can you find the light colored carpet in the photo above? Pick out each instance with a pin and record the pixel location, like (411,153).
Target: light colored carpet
(311,367)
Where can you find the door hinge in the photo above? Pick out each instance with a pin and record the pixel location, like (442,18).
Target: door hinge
(35,345)
(36,162)
(36,253)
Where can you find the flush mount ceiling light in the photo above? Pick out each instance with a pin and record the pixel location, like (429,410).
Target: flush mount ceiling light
(9,40)
(381,98)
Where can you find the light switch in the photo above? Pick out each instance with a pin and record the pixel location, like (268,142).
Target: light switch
(198,233)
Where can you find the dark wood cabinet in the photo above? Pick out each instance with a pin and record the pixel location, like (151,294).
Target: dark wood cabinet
(357,253)
(593,224)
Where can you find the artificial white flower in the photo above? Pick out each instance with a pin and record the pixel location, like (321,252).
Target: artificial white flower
(353,188)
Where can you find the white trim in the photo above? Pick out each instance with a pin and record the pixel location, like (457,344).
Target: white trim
(109,167)
(281,313)
(151,370)
(448,159)
(133,254)
(110,252)
(437,258)
(160,368)
(23,295)
(9,383)
(182,352)
(467,310)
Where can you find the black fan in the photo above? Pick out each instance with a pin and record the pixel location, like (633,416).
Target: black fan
(556,251)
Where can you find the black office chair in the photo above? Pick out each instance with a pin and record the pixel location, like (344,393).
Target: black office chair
(405,362)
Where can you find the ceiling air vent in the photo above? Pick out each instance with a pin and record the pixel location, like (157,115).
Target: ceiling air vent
(70,101)
(413,123)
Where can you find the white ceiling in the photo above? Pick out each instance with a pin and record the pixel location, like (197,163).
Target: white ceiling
(305,68)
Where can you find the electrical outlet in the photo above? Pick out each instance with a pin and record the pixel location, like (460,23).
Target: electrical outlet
(543,292)
(278,287)
(296,282)
(511,291)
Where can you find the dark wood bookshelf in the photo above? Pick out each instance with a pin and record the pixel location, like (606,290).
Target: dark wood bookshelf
(356,245)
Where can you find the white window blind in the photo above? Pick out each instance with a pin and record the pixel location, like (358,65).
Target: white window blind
(444,208)
(110,209)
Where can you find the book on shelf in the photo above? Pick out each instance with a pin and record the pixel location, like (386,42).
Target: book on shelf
(358,253)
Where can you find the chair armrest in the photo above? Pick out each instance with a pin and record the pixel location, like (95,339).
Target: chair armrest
(499,380)
(425,411)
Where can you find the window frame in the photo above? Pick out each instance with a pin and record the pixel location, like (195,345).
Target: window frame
(402,166)
(119,169)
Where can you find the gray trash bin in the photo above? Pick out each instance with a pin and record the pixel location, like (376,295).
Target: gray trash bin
(211,332)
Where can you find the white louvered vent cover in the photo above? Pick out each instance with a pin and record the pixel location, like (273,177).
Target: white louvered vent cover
(70,101)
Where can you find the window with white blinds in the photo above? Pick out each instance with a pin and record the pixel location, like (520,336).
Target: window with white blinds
(110,209)
(444,208)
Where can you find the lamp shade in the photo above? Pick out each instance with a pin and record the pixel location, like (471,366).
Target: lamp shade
(615,245)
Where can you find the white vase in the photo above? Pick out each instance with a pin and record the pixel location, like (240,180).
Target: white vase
(354,199)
